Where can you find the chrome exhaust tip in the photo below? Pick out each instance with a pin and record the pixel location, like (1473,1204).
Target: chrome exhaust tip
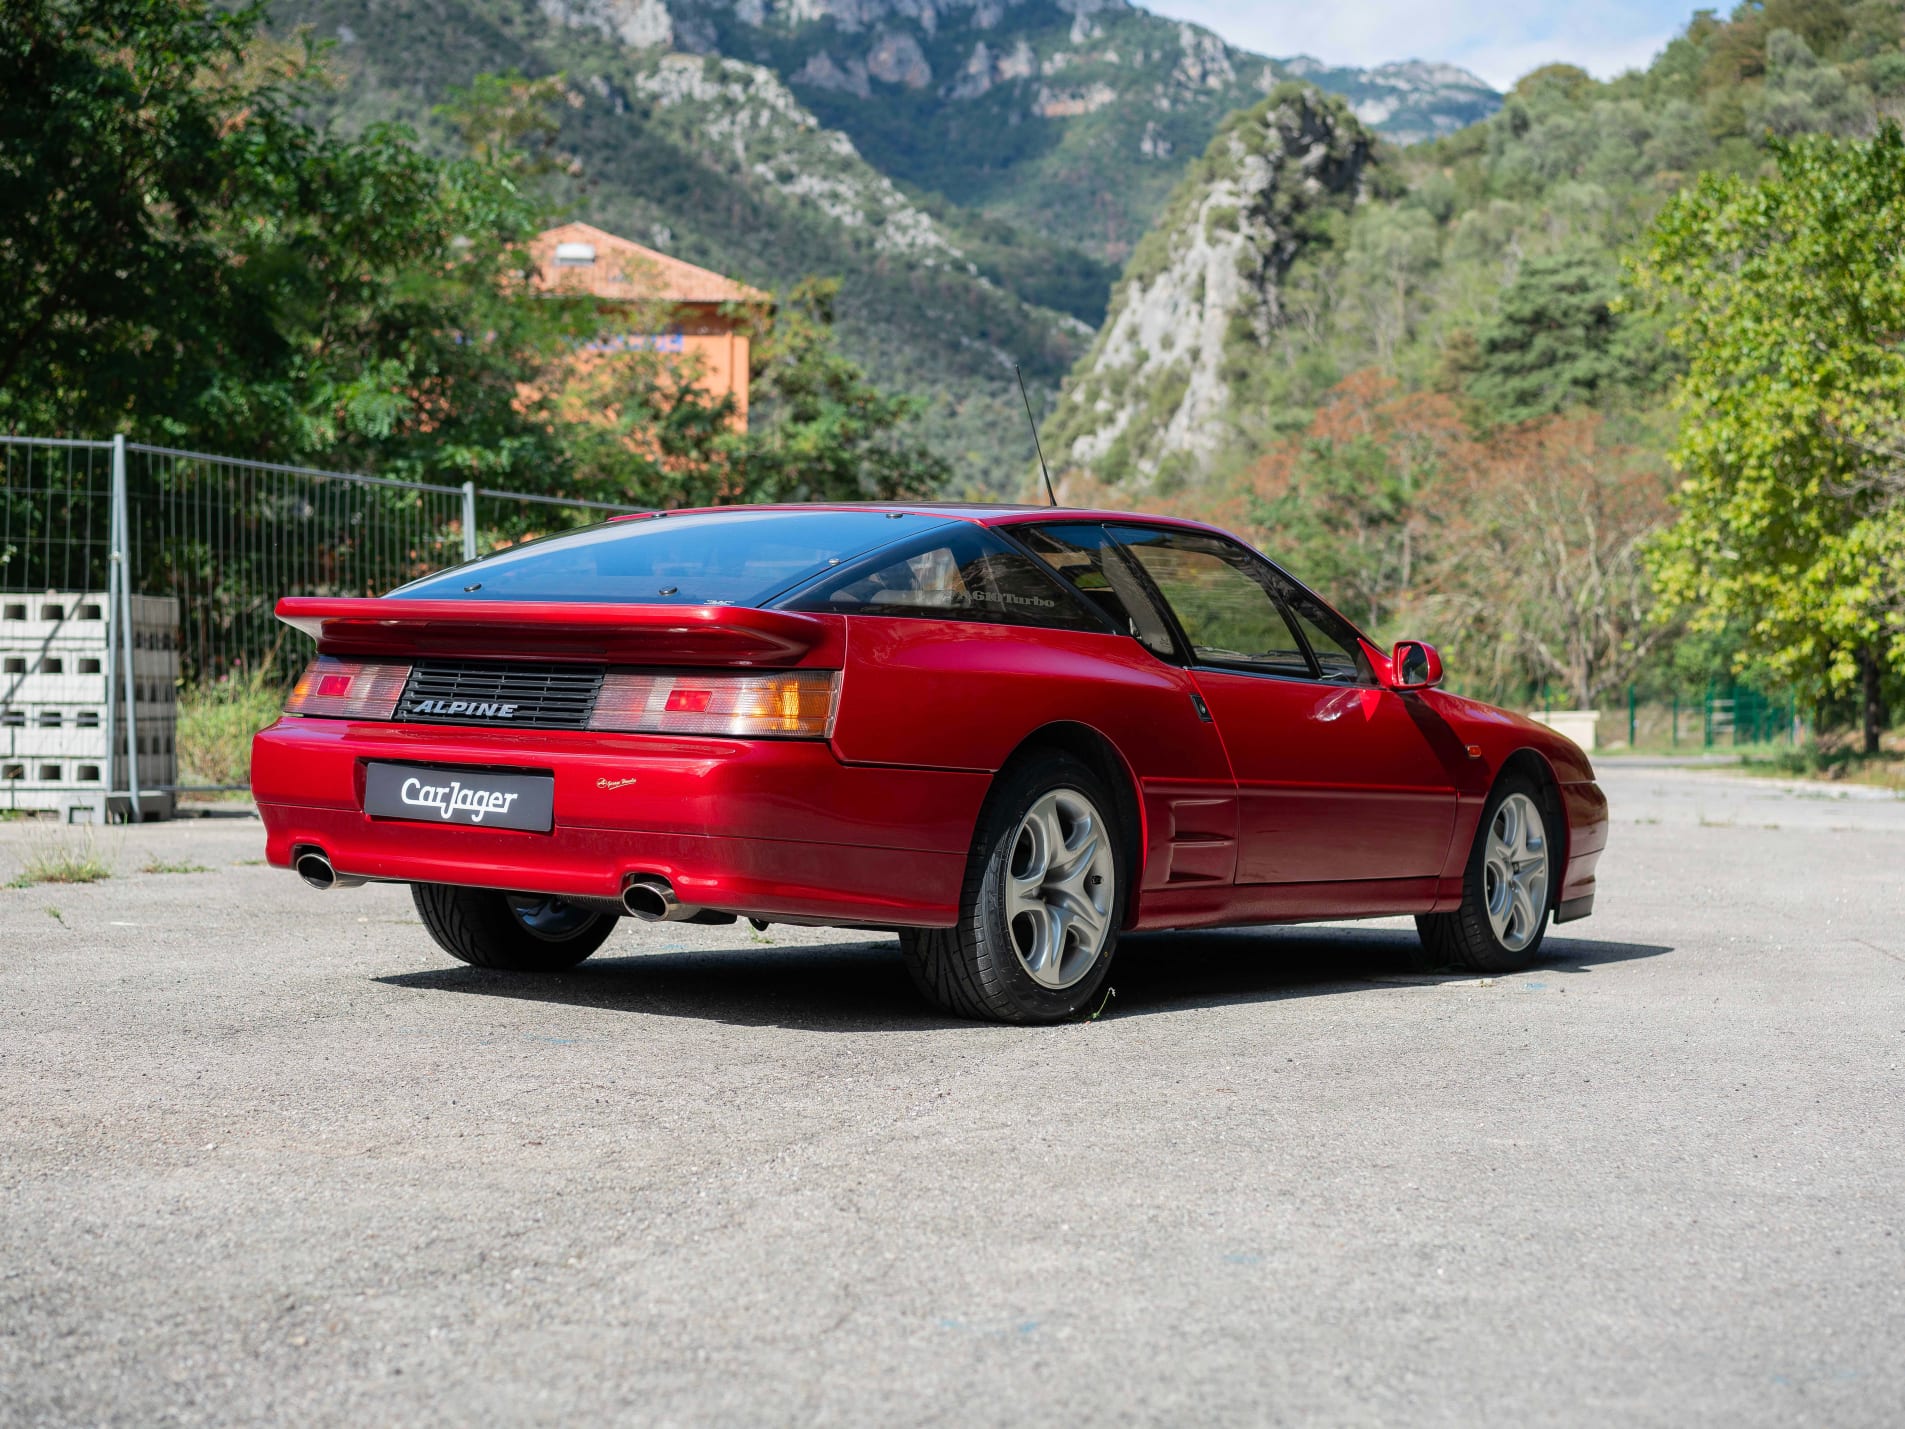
(314,866)
(651,898)
(315,869)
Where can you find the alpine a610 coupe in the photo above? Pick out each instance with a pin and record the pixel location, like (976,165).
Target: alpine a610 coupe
(1006,734)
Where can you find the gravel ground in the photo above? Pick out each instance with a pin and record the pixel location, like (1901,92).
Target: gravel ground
(267,1155)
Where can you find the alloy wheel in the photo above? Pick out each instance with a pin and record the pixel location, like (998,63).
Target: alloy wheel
(1515,872)
(1060,885)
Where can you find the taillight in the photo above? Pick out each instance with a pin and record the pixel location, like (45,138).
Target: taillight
(795,704)
(348,689)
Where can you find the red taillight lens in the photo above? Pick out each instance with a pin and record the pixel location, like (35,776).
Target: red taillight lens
(795,704)
(348,689)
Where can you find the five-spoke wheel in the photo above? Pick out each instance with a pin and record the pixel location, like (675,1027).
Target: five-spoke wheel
(1506,887)
(1515,872)
(1058,888)
(1042,901)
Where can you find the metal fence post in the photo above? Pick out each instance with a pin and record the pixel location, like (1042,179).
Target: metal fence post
(469,520)
(1630,717)
(122,615)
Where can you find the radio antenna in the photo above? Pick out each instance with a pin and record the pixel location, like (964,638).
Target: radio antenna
(1036,445)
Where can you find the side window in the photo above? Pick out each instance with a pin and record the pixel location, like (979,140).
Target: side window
(1090,562)
(1219,595)
(967,574)
(1338,653)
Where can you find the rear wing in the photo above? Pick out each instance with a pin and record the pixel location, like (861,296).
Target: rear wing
(603,633)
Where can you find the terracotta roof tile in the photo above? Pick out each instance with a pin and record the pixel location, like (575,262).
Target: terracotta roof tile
(580,258)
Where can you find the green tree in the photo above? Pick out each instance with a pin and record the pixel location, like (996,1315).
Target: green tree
(1788,297)
(192,259)
(1558,342)
(115,160)
(820,430)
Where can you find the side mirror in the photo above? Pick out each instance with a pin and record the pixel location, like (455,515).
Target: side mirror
(1414,666)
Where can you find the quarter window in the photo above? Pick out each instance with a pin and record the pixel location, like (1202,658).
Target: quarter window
(1339,655)
(1089,561)
(965,575)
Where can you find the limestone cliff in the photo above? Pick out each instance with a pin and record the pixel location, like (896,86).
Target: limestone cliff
(1151,399)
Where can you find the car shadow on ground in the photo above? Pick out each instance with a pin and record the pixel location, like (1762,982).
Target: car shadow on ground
(862,985)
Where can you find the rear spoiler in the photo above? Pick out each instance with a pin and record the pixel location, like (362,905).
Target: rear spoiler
(552,630)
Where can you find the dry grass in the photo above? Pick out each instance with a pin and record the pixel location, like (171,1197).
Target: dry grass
(64,859)
(1836,758)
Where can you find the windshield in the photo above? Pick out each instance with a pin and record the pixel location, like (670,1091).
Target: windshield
(729,558)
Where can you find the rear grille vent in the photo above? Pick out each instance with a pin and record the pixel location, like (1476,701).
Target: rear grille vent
(487,692)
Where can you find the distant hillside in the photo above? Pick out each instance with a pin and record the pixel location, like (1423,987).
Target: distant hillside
(1483,264)
(715,161)
(1070,118)
(966,167)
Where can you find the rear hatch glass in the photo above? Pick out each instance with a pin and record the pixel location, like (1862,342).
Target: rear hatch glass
(729,558)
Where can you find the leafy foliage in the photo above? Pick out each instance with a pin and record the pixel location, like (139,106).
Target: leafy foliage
(1559,341)
(1788,298)
(199,262)
(1520,551)
(1483,263)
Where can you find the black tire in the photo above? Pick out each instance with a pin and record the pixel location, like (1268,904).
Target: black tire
(487,929)
(973,969)
(1465,938)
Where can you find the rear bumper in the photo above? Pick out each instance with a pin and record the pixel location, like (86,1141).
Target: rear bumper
(774,829)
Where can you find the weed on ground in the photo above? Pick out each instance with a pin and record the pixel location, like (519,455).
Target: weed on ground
(64,859)
(1837,759)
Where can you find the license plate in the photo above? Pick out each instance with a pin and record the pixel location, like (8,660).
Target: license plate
(460,796)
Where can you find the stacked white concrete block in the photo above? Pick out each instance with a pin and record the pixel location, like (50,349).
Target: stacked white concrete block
(56,655)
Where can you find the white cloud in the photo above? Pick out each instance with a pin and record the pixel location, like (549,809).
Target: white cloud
(1498,42)
(1501,64)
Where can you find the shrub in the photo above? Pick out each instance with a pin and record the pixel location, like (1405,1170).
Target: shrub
(216,723)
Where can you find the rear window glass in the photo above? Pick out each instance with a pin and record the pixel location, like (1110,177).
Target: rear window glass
(735,558)
(964,574)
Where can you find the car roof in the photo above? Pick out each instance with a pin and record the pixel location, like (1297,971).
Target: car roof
(978,512)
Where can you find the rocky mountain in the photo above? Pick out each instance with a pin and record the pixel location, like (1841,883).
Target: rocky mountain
(972,170)
(717,162)
(1482,266)
(1070,118)
(1152,400)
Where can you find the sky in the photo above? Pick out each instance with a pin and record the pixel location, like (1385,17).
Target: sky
(1499,42)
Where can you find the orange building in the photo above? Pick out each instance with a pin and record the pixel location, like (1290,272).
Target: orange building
(681,302)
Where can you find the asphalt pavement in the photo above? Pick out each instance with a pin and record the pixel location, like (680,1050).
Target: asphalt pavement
(267,1156)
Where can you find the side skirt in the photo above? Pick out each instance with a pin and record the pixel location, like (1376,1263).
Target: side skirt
(1216,907)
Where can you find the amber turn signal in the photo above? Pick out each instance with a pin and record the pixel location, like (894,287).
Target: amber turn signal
(793,704)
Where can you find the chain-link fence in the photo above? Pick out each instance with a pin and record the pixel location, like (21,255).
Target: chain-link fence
(225,537)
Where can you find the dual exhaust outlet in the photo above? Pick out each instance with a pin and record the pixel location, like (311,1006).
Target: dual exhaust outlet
(648,896)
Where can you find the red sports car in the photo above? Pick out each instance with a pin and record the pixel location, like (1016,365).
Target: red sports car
(1005,733)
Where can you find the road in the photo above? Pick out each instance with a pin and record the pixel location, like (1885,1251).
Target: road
(266,1155)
